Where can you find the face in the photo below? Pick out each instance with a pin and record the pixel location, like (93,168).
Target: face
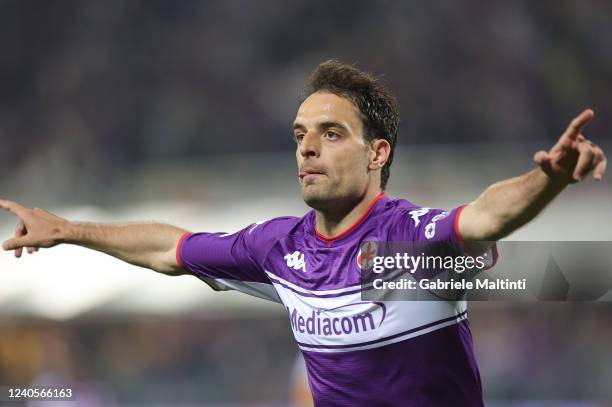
(332,155)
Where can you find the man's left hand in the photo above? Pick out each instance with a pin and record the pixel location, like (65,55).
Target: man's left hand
(574,156)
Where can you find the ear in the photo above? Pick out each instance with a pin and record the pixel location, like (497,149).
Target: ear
(380,150)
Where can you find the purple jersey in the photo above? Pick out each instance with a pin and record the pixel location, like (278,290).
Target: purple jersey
(357,353)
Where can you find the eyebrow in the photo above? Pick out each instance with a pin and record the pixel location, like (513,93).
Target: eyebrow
(323,125)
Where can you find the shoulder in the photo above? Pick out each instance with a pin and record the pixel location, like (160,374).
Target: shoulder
(403,207)
(411,221)
(261,236)
(275,227)
(399,207)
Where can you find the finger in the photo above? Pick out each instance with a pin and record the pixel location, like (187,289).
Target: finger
(600,169)
(16,243)
(540,157)
(543,160)
(575,127)
(20,230)
(13,207)
(30,250)
(585,161)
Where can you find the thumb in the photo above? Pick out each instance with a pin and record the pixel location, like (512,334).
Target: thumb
(540,157)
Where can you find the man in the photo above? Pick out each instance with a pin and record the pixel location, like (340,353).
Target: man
(357,353)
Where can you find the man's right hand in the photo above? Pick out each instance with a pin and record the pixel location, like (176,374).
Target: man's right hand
(37,228)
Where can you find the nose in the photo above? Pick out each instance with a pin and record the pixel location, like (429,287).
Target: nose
(310,145)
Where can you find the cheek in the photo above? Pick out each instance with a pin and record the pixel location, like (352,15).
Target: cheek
(298,159)
(353,169)
(349,165)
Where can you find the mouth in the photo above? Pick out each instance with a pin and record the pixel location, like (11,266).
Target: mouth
(309,174)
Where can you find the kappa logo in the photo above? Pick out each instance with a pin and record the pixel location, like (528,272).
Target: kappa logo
(416,215)
(296,261)
(430,228)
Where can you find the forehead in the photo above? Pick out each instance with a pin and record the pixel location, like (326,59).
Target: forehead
(323,107)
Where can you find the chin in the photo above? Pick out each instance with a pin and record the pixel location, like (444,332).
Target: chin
(316,199)
(329,198)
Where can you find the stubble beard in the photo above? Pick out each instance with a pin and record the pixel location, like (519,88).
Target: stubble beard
(317,197)
(328,198)
(320,195)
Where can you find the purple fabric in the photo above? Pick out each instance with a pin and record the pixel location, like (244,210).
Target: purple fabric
(333,266)
(434,369)
(245,255)
(237,256)
(437,369)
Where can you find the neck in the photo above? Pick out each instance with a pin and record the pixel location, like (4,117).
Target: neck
(344,215)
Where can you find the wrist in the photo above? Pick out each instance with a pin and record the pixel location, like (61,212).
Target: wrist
(67,232)
(553,181)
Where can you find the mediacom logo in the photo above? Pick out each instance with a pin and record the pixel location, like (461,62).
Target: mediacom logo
(320,323)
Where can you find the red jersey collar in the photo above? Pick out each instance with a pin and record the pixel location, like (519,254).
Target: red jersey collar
(353,226)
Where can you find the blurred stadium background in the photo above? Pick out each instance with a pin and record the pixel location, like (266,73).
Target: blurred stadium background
(180,112)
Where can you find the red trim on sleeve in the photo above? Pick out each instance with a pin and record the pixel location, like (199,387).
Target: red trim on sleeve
(178,249)
(347,231)
(456,223)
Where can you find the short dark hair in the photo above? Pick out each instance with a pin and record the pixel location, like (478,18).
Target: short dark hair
(377,106)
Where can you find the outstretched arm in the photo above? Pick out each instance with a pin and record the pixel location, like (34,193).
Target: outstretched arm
(149,245)
(507,205)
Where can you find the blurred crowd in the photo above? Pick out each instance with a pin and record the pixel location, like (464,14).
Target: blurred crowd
(92,90)
(153,360)
(553,351)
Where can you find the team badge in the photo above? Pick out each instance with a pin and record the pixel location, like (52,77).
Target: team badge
(365,257)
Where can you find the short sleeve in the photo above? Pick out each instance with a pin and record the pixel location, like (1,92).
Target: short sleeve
(424,224)
(440,225)
(231,260)
(435,232)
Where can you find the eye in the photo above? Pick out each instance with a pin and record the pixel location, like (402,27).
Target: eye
(298,138)
(331,135)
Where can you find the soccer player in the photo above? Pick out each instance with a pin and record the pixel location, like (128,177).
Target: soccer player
(357,353)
